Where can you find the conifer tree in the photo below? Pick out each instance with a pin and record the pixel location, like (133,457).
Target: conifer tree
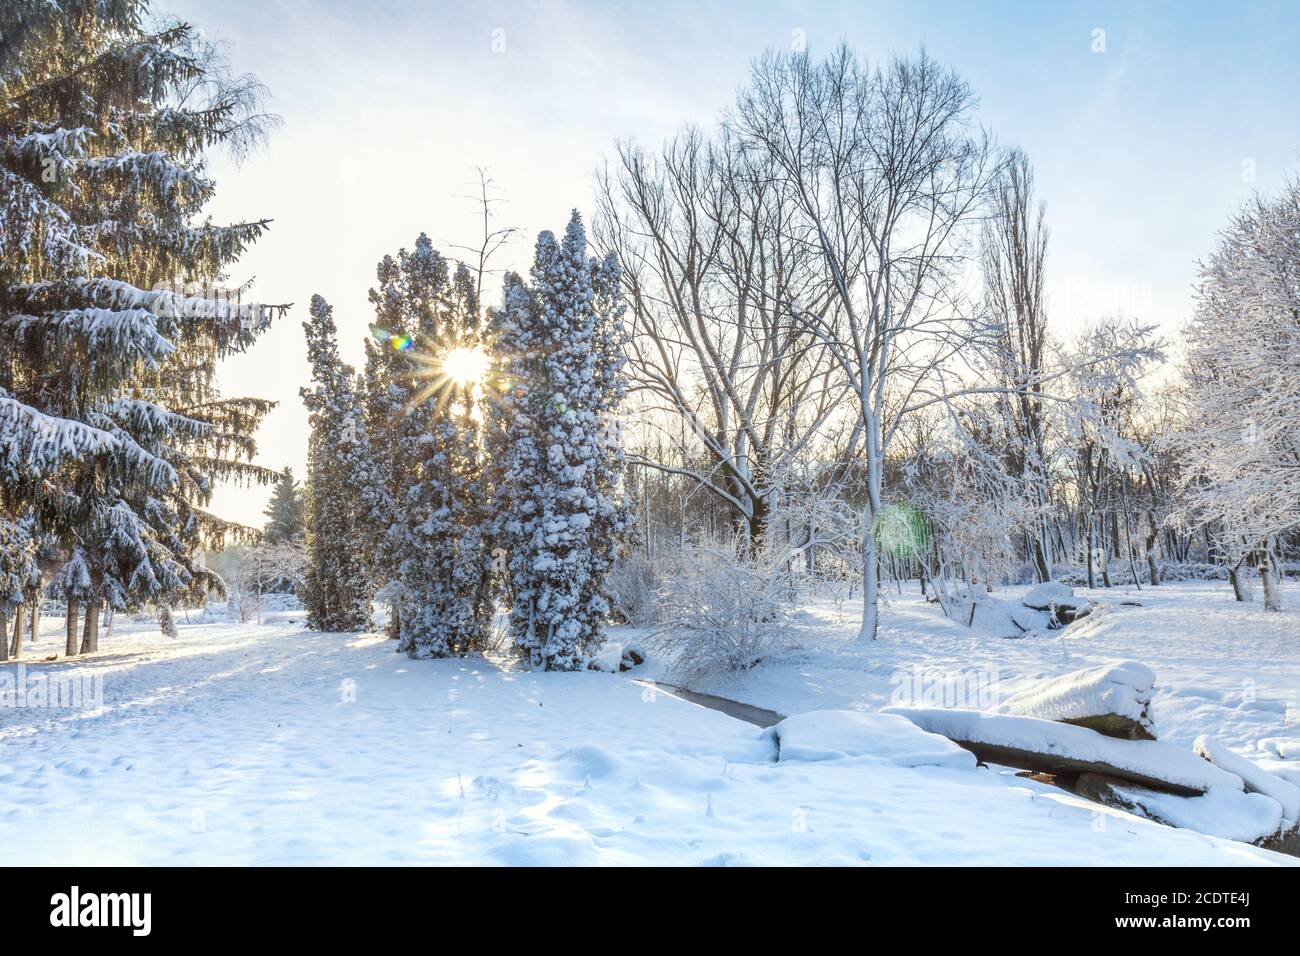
(337,591)
(423,438)
(112,433)
(559,497)
(284,513)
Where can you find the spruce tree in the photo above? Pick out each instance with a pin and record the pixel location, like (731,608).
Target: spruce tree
(112,433)
(560,506)
(284,513)
(337,591)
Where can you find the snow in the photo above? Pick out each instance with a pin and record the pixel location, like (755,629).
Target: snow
(1223,668)
(1049,594)
(1123,688)
(270,744)
(1221,811)
(880,739)
(1257,779)
(1149,758)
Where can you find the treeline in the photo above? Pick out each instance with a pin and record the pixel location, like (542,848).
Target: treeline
(820,380)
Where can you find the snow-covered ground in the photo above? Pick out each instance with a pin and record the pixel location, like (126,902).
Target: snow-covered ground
(245,743)
(1222,668)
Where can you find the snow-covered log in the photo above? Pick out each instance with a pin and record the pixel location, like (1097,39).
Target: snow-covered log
(1256,778)
(1064,750)
(882,738)
(1220,811)
(1113,699)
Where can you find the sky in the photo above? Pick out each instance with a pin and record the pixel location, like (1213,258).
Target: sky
(1147,124)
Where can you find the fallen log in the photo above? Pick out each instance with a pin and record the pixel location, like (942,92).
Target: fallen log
(1113,699)
(1064,750)
(1232,814)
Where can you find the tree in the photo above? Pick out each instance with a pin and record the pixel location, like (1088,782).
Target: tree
(710,274)
(112,432)
(883,171)
(19,576)
(555,440)
(444,567)
(425,498)
(1240,436)
(1014,252)
(336,589)
(284,513)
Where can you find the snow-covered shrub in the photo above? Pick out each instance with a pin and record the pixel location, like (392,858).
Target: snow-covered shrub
(634,584)
(721,610)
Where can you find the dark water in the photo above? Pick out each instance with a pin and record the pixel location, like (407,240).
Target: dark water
(732,708)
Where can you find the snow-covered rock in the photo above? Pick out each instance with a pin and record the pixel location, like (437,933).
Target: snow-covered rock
(1027,619)
(882,738)
(1009,618)
(1050,595)
(1050,747)
(1113,699)
(1256,778)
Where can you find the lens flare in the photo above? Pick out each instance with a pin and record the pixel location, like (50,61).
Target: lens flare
(464,366)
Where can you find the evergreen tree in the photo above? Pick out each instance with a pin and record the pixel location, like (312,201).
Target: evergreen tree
(284,513)
(423,433)
(337,590)
(19,576)
(559,498)
(112,433)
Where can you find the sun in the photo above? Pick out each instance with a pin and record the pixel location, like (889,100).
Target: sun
(465,366)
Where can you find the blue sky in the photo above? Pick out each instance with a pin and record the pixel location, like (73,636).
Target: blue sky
(1141,151)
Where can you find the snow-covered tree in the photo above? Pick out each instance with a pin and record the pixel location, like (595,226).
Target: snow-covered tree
(555,439)
(284,512)
(1241,436)
(112,433)
(444,567)
(336,589)
(19,577)
(424,495)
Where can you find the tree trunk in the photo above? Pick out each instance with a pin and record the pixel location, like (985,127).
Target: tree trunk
(90,637)
(1092,552)
(1269,574)
(1103,558)
(17,648)
(1152,564)
(70,648)
(1040,560)
(1239,589)
(4,636)
(870,584)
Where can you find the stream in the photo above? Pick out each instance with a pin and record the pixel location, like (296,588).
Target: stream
(757,716)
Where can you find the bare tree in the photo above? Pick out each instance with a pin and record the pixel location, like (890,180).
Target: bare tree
(709,268)
(883,170)
(1013,254)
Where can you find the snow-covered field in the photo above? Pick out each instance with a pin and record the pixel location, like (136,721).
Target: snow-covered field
(1222,668)
(259,744)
